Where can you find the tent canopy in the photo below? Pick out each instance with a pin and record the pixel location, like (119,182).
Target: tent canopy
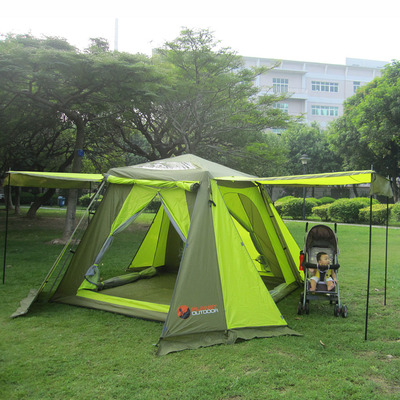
(56,180)
(378,184)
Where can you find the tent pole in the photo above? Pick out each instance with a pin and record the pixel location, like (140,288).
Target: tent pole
(369,265)
(386,248)
(7,204)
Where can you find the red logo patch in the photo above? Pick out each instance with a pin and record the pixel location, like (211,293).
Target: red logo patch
(183,312)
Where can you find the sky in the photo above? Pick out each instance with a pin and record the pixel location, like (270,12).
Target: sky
(307,30)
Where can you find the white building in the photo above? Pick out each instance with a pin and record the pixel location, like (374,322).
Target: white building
(315,90)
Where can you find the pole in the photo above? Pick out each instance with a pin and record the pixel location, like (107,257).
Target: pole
(304,194)
(7,204)
(369,266)
(386,248)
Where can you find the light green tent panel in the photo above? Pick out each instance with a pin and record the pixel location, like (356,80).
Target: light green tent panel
(138,198)
(177,208)
(244,210)
(153,248)
(152,251)
(253,252)
(291,244)
(245,296)
(249,206)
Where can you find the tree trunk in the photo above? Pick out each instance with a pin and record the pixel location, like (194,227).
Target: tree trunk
(76,168)
(17,201)
(38,202)
(8,198)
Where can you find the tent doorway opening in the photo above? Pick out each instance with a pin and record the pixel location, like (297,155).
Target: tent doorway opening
(141,262)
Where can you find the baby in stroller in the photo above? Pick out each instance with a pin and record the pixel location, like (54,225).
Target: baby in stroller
(320,264)
(322,273)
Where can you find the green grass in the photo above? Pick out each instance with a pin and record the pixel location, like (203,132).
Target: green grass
(64,352)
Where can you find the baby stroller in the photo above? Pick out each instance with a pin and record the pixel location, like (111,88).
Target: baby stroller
(320,239)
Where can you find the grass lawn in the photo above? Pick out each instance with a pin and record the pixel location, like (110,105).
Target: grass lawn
(64,352)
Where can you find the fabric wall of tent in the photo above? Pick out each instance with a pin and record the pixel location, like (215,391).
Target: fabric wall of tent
(211,265)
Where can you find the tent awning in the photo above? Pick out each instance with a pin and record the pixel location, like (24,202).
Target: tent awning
(57,180)
(378,184)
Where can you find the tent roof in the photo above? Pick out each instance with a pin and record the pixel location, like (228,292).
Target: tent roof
(181,168)
(379,184)
(60,180)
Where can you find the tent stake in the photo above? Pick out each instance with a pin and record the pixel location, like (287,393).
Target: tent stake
(369,265)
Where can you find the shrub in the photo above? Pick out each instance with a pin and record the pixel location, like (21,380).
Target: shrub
(344,210)
(322,212)
(395,211)
(153,206)
(85,200)
(315,201)
(326,200)
(26,197)
(280,202)
(363,201)
(347,210)
(294,208)
(379,213)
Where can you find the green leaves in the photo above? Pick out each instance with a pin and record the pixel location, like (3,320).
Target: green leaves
(368,132)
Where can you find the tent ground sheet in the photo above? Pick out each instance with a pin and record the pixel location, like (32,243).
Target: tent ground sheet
(157,289)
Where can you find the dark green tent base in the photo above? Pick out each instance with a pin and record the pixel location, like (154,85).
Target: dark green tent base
(197,340)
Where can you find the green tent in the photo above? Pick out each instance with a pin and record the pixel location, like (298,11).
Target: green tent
(211,266)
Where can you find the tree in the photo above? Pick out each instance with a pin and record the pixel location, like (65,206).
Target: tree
(78,88)
(302,139)
(368,132)
(208,105)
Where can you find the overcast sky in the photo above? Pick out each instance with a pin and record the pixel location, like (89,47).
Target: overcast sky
(308,30)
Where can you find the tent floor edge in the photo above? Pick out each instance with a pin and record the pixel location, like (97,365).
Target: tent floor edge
(283,290)
(197,340)
(114,308)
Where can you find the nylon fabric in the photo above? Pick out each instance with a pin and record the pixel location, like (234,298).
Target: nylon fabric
(247,301)
(138,198)
(158,184)
(56,180)
(176,205)
(143,305)
(153,248)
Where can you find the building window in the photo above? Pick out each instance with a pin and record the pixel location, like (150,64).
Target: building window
(318,86)
(356,86)
(326,111)
(280,85)
(282,106)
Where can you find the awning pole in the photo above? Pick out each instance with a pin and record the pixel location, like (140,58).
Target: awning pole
(7,204)
(369,265)
(386,248)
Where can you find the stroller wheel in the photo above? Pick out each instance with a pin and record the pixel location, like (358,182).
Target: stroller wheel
(344,311)
(307,308)
(300,308)
(336,311)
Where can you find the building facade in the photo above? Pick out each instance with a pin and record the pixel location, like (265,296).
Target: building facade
(315,90)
